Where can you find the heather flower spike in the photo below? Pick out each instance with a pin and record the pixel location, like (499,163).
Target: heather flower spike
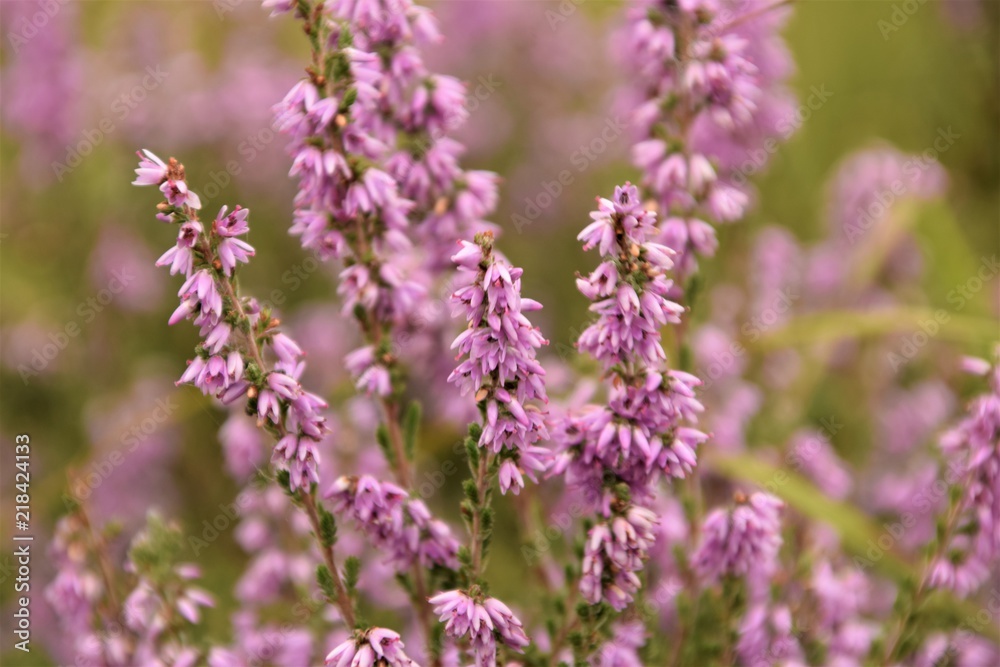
(498,364)
(631,566)
(371,647)
(229,364)
(742,542)
(617,453)
(711,76)
(399,525)
(380,186)
(483,621)
(971,542)
(245,356)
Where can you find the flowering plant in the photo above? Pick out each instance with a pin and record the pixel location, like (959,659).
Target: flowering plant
(648,533)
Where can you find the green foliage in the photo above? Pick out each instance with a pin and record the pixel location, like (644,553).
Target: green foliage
(411,428)
(327,527)
(325,580)
(472,453)
(382,437)
(352,570)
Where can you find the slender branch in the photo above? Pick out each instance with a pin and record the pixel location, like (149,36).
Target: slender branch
(402,463)
(482,487)
(569,621)
(343,599)
(99,547)
(307,501)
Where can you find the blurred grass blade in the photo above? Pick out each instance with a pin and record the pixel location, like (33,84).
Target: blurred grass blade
(939,324)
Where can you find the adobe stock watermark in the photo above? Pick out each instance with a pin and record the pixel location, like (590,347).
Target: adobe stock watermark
(228,516)
(120,109)
(959,296)
(88,480)
(541,541)
(27,27)
(565,9)
(294,278)
(87,310)
(223,7)
(252,146)
(900,14)
(580,160)
(482,90)
(884,199)
(786,127)
(752,329)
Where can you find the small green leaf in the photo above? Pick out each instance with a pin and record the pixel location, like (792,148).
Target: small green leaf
(346,39)
(325,581)
(411,428)
(327,527)
(475,431)
(382,436)
(471,492)
(352,570)
(472,453)
(285,481)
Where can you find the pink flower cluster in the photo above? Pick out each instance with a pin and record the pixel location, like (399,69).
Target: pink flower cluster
(401,527)
(614,553)
(150,628)
(374,647)
(743,541)
(972,448)
(640,434)
(376,170)
(500,367)
(711,77)
(229,364)
(483,621)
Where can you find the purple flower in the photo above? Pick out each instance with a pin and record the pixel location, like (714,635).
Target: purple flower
(232,250)
(151,171)
(400,526)
(811,452)
(641,433)
(369,376)
(278,7)
(743,541)
(972,450)
(629,287)
(234,334)
(380,182)
(871,182)
(73,593)
(614,552)
(711,75)
(500,367)
(242,446)
(370,648)
(482,621)
(623,648)
(181,257)
(169,177)
(767,637)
